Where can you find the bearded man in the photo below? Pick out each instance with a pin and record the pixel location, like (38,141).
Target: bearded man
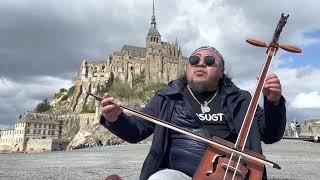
(204,101)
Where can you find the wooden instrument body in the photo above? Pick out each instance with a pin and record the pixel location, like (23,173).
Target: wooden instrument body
(216,160)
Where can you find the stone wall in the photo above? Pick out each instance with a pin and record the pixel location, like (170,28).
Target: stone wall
(43,145)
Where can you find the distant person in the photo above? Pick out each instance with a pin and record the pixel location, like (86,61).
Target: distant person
(296,129)
(204,101)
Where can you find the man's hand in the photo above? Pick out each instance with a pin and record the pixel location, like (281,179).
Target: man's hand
(109,109)
(272,89)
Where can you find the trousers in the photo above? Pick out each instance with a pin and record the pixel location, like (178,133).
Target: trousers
(169,174)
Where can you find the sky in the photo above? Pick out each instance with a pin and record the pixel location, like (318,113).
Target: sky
(42,43)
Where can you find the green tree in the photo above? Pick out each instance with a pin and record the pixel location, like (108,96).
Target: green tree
(71,91)
(42,107)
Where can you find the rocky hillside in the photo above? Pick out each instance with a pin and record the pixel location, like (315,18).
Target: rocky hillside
(81,112)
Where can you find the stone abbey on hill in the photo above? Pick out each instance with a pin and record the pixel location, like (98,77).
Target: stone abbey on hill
(160,61)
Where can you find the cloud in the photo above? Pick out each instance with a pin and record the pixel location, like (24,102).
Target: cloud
(299,87)
(307,100)
(19,97)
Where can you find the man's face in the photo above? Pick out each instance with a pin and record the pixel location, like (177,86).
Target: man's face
(202,77)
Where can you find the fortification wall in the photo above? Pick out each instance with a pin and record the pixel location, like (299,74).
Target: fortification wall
(39,145)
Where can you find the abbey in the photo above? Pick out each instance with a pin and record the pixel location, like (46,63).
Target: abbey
(160,61)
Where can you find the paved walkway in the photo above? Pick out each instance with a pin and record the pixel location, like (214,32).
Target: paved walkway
(299,160)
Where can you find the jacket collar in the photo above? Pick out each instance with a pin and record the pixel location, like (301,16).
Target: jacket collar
(176,87)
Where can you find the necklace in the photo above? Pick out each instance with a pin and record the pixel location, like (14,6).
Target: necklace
(204,106)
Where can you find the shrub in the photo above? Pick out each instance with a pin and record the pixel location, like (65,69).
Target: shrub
(42,107)
(87,109)
(71,91)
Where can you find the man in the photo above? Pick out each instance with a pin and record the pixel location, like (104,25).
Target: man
(206,102)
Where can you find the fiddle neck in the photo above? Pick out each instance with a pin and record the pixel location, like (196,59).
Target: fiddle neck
(246,125)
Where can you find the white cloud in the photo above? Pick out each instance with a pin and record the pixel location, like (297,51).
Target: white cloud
(19,97)
(307,100)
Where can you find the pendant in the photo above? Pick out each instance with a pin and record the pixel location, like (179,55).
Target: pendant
(205,108)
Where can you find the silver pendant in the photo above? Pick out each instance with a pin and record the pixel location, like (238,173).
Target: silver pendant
(205,108)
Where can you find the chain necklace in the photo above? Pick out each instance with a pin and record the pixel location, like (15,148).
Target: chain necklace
(204,106)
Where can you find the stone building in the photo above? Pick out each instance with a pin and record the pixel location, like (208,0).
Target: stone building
(30,131)
(160,61)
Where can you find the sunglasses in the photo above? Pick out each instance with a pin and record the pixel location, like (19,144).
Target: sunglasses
(195,59)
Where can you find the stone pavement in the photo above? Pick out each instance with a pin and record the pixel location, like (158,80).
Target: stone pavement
(298,159)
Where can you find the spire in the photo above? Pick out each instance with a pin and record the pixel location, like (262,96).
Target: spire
(153,8)
(153,19)
(153,29)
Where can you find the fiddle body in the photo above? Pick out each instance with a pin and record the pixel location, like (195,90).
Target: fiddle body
(216,161)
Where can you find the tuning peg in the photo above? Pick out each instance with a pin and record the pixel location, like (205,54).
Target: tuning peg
(290,48)
(257,43)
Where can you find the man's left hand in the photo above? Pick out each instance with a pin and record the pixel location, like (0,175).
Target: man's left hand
(272,89)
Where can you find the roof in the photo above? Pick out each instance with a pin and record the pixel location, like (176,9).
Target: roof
(153,31)
(134,48)
(11,127)
(38,117)
(116,53)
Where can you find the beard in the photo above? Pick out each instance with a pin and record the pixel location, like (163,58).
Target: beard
(200,86)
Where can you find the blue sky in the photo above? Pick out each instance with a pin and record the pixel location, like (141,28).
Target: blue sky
(42,43)
(310,55)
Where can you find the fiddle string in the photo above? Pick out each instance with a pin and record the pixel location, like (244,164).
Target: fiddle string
(225,173)
(234,174)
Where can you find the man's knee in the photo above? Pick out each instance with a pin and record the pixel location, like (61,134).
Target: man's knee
(169,174)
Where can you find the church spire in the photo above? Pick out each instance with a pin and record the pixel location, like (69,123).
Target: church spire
(153,29)
(153,18)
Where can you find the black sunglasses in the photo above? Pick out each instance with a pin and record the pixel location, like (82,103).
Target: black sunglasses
(195,59)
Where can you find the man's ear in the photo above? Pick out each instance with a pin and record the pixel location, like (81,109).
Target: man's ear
(222,72)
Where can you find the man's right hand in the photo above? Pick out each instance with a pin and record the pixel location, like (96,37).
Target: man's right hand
(109,109)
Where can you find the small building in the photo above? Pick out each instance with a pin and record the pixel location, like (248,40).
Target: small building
(33,132)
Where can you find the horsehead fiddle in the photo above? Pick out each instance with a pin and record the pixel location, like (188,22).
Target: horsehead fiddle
(223,159)
(217,163)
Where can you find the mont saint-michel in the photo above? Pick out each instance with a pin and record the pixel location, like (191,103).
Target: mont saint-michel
(72,120)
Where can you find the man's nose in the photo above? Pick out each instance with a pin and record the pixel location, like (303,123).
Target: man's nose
(201,62)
